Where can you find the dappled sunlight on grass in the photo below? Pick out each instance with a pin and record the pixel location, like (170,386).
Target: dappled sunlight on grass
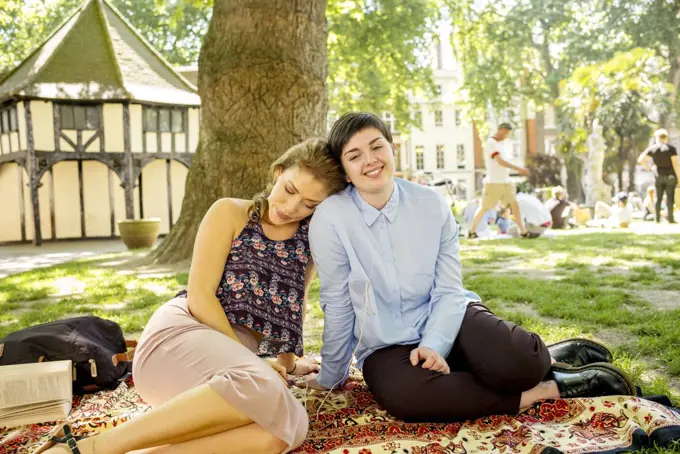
(83,287)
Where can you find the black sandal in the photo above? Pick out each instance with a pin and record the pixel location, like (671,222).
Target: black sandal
(472,236)
(530,235)
(68,439)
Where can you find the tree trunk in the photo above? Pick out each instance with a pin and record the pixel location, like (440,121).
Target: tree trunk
(262,81)
(620,162)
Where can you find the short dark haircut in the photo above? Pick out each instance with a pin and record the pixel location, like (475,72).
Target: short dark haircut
(507,126)
(351,123)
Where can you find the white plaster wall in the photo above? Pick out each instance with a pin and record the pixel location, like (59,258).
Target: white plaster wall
(179,177)
(136,128)
(94,146)
(96,198)
(114,140)
(66,199)
(180,142)
(166,142)
(151,142)
(43,125)
(10,203)
(155,193)
(4,142)
(14,138)
(194,127)
(71,134)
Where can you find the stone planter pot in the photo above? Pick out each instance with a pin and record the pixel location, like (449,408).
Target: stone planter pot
(139,233)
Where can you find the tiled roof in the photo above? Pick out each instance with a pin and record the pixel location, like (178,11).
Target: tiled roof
(97,55)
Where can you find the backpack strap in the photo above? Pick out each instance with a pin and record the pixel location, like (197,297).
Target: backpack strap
(126,356)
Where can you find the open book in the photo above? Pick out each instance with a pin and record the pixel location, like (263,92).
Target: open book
(35,393)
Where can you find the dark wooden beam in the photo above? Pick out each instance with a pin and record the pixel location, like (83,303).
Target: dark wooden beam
(22,207)
(102,144)
(92,139)
(56,113)
(168,176)
(14,157)
(128,181)
(33,176)
(69,141)
(53,211)
(81,191)
(141,197)
(79,144)
(112,203)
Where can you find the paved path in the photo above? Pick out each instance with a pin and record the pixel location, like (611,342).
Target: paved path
(24,257)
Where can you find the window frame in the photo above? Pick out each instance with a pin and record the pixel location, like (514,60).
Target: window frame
(91,117)
(441,160)
(420,157)
(438,118)
(460,150)
(158,112)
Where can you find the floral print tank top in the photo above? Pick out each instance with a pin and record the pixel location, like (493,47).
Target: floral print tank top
(263,286)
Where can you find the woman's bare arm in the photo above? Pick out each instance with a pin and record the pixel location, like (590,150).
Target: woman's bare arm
(212,246)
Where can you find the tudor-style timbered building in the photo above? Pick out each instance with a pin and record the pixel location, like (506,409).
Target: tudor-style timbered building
(95,126)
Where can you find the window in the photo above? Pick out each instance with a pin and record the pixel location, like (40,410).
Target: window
(418,119)
(177,121)
(160,119)
(388,118)
(460,156)
(8,119)
(461,189)
(458,119)
(440,156)
(420,157)
(79,117)
(5,121)
(438,118)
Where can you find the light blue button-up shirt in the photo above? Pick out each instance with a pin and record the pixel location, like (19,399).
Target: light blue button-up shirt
(388,277)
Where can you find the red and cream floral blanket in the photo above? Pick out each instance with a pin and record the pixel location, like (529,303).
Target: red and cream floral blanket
(351,422)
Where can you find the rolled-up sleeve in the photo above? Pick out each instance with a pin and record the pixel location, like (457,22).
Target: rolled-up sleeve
(447,299)
(333,268)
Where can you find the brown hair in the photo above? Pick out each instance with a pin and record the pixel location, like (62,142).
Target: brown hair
(351,123)
(313,156)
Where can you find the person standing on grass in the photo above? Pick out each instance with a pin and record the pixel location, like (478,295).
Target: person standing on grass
(666,170)
(197,360)
(497,185)
(387,255)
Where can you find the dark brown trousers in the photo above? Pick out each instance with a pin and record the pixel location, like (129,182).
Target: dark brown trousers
(492,362)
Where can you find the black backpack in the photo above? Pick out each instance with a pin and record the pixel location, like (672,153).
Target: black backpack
(96,347)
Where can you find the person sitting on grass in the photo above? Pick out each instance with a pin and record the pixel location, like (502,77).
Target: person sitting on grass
(391,289)
(561,209)
(197,360)
(617,215)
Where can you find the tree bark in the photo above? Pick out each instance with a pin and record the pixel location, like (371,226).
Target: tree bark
(262,82)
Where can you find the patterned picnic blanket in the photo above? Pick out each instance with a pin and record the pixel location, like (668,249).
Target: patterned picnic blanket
(351,422)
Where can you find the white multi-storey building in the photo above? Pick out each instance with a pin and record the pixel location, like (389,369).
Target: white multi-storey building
(442,144)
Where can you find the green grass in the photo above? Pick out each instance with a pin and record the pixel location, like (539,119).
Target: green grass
(581,285)
(83,287)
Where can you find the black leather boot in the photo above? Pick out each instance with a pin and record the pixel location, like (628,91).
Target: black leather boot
(593,380)
(580,352)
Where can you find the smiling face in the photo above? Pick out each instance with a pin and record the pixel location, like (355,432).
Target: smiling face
(295,195)
(368,160)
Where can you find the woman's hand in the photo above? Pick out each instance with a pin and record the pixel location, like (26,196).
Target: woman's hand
(279,369)
(305,366)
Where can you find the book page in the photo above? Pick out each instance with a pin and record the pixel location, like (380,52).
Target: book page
(16,390)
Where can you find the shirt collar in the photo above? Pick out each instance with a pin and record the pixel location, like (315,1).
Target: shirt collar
(370,213)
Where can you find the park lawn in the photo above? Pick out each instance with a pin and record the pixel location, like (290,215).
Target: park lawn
(618,287)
